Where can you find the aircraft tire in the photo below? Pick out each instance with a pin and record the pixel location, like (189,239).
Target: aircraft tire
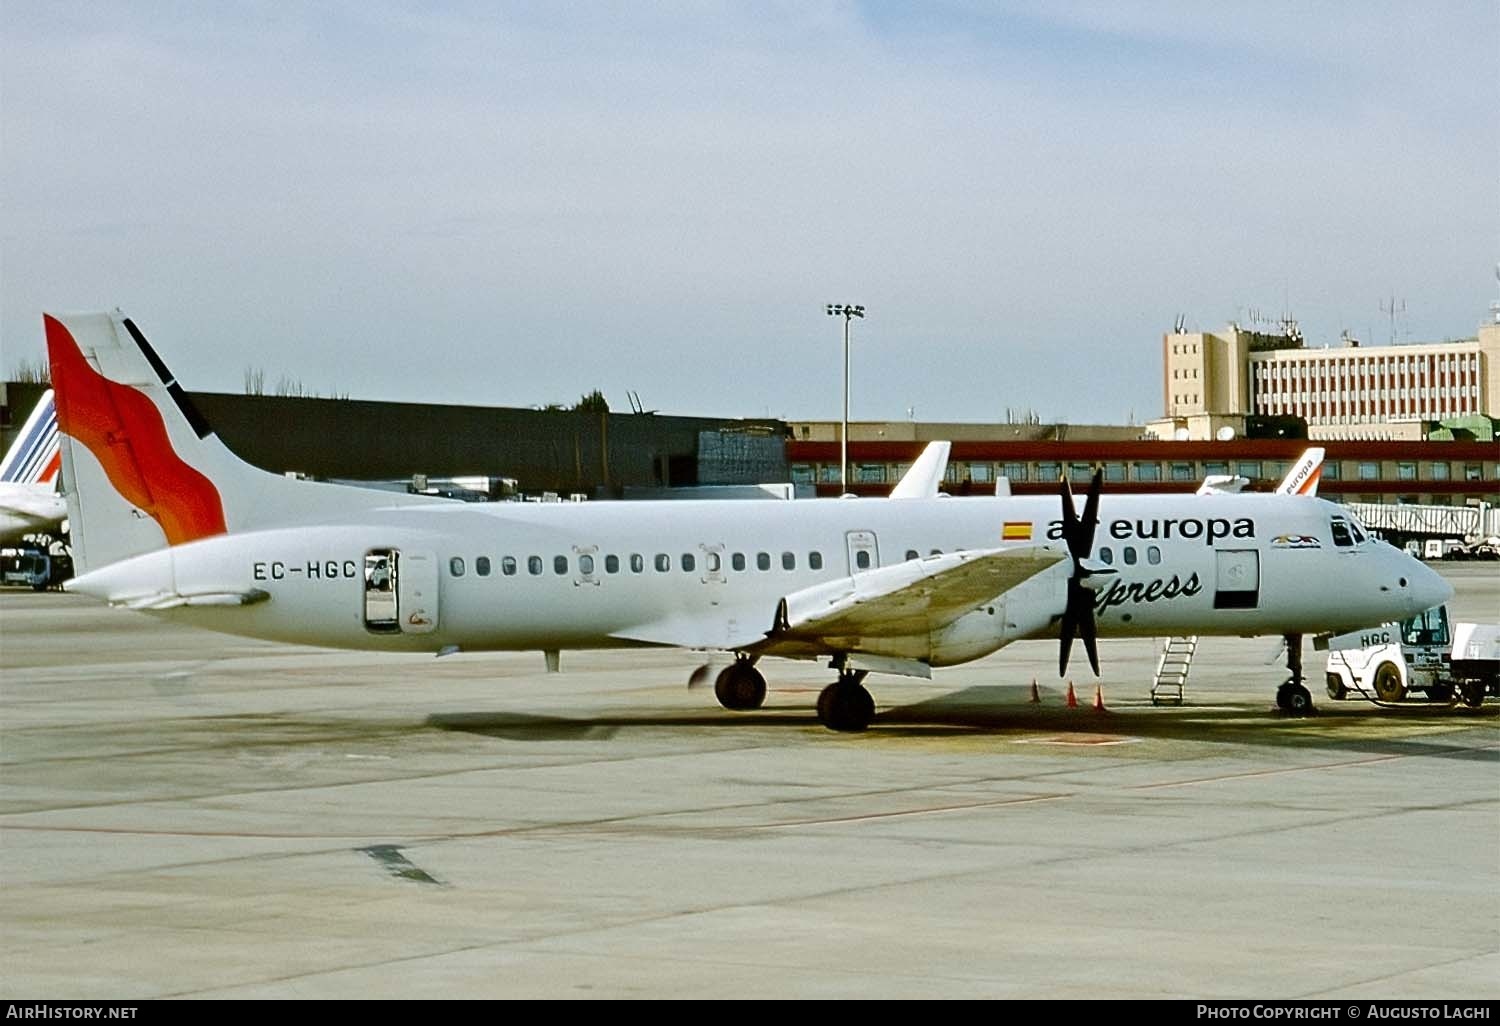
(1294,699)
(1471,693)
(845,706)
(740,686)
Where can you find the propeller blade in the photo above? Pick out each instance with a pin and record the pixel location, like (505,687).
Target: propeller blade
(1078,613)
(1091,509)
(1090,636)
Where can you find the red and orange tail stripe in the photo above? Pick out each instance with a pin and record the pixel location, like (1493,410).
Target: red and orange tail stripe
(127,435)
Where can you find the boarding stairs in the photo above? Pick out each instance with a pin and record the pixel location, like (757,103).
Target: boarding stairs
(1172,670)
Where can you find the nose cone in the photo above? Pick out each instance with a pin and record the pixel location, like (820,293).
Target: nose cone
(1422,586)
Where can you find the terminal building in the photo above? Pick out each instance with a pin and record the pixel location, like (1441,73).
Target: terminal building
(1212,381)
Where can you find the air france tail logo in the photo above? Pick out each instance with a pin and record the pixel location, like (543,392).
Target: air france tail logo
(1210,530)
(34,458)
(125,432)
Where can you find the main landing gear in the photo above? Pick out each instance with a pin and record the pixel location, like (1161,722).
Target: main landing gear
(740,686)
(845,704)
(1293,697)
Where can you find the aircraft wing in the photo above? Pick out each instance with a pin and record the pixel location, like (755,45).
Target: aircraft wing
(905,600)
(911,598)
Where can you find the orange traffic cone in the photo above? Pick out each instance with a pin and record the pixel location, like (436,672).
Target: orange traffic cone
(1036,696)
(1099,698)
(1072,698)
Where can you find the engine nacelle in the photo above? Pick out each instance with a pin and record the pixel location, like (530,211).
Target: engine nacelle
(1022,612)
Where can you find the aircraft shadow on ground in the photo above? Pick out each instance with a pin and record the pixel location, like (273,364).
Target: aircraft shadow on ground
(1002,710)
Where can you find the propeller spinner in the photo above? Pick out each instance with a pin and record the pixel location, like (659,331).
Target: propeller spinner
(1078,614)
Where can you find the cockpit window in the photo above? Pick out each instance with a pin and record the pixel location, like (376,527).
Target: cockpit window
(1359,536)
(1341,536)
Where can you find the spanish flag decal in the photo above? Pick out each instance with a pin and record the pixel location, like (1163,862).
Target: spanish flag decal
(1016,530)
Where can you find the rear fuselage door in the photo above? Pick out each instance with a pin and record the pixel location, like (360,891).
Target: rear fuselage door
(417,592)
(401,592)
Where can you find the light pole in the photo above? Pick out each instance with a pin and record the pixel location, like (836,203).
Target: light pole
(847,311)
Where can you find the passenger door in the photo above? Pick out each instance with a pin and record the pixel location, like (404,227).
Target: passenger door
(864,551)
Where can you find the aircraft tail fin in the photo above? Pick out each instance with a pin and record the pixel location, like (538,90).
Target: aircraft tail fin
(1304,476)
(142,468)
(34,457)
(922,480)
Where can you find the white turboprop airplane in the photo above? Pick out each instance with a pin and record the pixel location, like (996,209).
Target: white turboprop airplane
(29,500)
(166,520)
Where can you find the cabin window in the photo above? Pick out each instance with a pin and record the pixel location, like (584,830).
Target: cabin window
(935,552)
(1129,554)
(788,561)
(534,565)
(688,562)
(815,560)
(637,563)
(611,564)
(560,565)
(763,561)
(482,566)
(586,565)
(1153,555)
(1107,555)
(456,566)
(912,554)
(663,562)
(737,561)
(1341,535)
(508,566)
(861,559)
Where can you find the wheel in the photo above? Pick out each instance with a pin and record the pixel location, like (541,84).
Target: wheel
(1471,693)
(740,686)
(846,706)
(1298,699)
(1388,686)
(1281,697)
(1336,688)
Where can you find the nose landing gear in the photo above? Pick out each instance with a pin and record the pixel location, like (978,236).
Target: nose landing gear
(1293,696)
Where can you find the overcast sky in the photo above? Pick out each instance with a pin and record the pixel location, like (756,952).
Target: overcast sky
(518,203)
